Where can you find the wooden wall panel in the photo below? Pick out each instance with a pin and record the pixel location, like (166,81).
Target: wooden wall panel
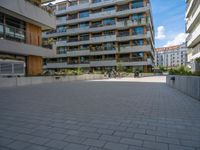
(33,34)
(34,65)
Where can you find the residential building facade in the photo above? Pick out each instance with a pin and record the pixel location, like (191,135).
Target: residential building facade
(171,56)
(102,34)
(193,30)
(21,25)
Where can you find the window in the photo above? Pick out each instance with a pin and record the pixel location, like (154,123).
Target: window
(62,18)
(84,25)
(138,30)
(61,50)
(109,21)
(138,16)
(61,29)
(109,46)
(96,1)
(62,7)
(137,4)
(110,8)
(84,37)
(138,42)
(84,47)
(84,14)
(109,33)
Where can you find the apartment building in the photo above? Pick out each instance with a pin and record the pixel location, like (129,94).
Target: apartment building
(171,56)
(21,25)
(102,34)
(193,29)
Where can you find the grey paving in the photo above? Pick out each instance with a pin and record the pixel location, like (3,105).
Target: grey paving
(98,115)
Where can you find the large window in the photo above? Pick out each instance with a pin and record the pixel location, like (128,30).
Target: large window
(61,50)
(61,29)
(138,16)
(84,37)
(62,6)
(84,14)
(96,1)
(138,4)
(138,30)
(138,42)
(109,21)
(84,25)
(12,28)
(110,8)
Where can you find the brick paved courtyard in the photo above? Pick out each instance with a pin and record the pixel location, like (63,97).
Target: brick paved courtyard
(99,115)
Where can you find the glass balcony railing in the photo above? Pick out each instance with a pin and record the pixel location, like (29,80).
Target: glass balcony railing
(133,59)
(19,35)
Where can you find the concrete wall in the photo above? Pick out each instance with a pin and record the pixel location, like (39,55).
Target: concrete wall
(189,85)
(26,11)
(22,81)
(18,48)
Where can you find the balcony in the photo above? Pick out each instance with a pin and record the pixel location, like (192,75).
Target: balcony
(103,51)
(108,38)
(193,38)
(81,65)
(137,61)
(55,65)
(78,53)
(192,21)
(84,6)
(61,43)
(13,40)
(73,42)
(129,49)
(103,14)
(99,63)
(132,37)
(25,10)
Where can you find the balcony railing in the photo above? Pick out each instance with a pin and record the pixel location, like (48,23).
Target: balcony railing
(19,35)
(133,59)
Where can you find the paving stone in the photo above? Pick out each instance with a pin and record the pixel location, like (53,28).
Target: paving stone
(115,146)
(167,140)
(150,112)
(105,131)
(123,134)
(56,144)
(155,146)
(178,147)
(18,145)
(75,139)
(131,141)
(39,140)
(145,137)
(37,147)
(57,136)
(191,143)
(76,147)
(93,142)
(110,138)
(5,141)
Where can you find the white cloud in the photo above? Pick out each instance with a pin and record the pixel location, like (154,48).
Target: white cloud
(178,39)
(160,33)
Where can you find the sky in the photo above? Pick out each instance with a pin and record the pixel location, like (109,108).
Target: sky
(169,22)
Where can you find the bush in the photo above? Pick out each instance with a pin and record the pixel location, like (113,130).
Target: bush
(120,68)
(198,60)
(182,70)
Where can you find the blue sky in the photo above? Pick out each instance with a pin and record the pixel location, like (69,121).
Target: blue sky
(169,17)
